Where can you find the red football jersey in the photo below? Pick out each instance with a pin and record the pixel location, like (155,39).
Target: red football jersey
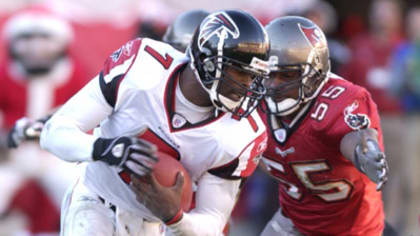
(320,190)
(20,96)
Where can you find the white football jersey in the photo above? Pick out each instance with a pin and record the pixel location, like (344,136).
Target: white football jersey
(139,82)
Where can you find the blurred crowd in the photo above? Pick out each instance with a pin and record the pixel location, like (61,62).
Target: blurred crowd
(50,49)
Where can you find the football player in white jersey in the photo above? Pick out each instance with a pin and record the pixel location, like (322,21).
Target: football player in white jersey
(178,35)
(199,108)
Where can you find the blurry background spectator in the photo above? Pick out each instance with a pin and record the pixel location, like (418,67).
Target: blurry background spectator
(371,54)
(369,67)
(324,15)
(405,84)
(406,65)
(37,74)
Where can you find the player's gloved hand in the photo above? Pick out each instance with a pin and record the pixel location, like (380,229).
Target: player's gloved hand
(135,155)
(370,160)
(25,129)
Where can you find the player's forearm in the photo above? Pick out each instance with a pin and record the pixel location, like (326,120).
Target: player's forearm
(367,155)
(351,140)
(64,139)
(65,133)
(215,198)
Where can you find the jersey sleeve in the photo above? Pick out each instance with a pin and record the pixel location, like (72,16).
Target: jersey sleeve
(65,134)
(238,163)
(354,112)
(116,67)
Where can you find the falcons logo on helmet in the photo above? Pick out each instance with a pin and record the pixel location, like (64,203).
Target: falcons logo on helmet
(313,35)
(215,24)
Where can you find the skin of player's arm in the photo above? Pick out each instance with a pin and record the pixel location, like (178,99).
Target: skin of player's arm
(351,140)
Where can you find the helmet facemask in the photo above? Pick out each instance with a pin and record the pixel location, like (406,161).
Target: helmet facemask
(298,48)
(226,93)
(228,55)
(302,78)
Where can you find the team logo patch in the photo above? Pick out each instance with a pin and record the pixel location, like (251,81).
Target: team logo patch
(280,135)
(178,121)
(313,35)
(125,49)
(355,121)
(215,24)
(117,151)
(116,55)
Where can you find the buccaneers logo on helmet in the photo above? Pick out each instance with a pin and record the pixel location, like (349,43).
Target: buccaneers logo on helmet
(313,35)
(216,24)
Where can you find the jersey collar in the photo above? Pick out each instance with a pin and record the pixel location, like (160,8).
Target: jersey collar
(281,130)
(177,122)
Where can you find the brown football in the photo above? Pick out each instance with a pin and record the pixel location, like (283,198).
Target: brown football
(166,170)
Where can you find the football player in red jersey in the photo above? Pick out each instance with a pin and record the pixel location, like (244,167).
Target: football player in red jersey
(325,142)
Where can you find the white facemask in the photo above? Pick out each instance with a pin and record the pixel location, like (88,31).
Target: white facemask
(287,106)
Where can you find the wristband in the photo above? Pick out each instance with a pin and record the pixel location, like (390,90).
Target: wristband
(176,218)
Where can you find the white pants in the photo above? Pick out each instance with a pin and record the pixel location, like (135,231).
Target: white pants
(84,213)
(280,225)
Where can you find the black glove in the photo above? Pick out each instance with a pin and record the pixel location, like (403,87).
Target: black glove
(25,129)
(370,160)
(135,155)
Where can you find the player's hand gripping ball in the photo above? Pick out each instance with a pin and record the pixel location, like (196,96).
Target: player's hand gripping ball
(166,170)
(165,190)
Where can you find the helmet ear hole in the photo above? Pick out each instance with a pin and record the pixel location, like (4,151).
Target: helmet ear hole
(313,82)
(308,86)
(209,66)
(202,56)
